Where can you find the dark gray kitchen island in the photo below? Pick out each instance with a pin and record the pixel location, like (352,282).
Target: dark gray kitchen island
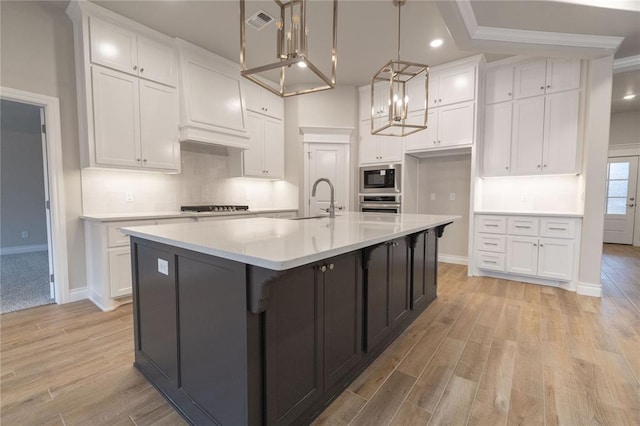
(266,321)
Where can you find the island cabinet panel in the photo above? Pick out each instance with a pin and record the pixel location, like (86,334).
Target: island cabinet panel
(423,264)
(387,287)
(212,341)
(156,306)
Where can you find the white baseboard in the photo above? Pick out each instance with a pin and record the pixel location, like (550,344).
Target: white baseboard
(76,294)
(24,249)
(588,289)
(457,260)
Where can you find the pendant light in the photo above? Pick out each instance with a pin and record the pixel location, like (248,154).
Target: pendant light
(293,73)
(396,87)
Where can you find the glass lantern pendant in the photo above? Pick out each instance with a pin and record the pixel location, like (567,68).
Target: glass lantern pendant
(399,92)
(291,42)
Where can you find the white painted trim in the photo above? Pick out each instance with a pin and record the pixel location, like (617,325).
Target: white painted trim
(456,260)
(588,289)
(326,134)
(51,107)
(76,294)
(624,150)
(307,184)
(630,63)
(23,249)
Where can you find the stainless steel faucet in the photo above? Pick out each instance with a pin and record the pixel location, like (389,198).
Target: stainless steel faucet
(332,204)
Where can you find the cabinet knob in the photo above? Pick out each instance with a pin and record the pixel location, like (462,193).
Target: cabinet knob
(509,93)
(541,245)
(439,100)
(141,69)
(331,266)
(434,142)
(545,165)
(541,87)
(138,160)
(435,101)
(549,86)
(538,166)
(144,160)
(135,67)
(323,268)
(535,245)
(438,142)
(506,168)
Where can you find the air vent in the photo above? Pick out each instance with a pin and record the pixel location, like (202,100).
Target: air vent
(259,20)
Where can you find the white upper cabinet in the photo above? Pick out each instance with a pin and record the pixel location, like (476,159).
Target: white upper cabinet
(211,100)
(423,139)
(560,144)
(262,101)
(528,132)
(416,93)
(498,84)
(541,76)
(159,144)
(448,86)
(265,156)
(496,154)
(119,48)
(456,124)
(378,149)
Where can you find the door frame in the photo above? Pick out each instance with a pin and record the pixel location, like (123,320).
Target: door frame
(54,176)
(326,136)
(630,150)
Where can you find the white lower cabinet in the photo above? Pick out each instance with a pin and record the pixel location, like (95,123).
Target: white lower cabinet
(544,248)
(120,271)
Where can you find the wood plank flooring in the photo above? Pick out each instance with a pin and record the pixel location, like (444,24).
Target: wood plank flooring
(486,352)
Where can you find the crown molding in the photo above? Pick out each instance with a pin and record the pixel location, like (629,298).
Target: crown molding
(463,25)
(630,63)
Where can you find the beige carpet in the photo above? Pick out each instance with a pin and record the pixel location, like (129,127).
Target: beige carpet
(24,281)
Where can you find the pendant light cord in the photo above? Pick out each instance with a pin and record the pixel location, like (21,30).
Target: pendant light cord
(399,8)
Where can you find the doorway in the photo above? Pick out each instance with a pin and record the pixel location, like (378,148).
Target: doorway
(621,202)
(327,160)
(26,255)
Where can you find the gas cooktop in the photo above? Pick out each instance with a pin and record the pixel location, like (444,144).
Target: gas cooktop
(214,208)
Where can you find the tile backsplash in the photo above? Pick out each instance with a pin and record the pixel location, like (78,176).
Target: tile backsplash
(203,180)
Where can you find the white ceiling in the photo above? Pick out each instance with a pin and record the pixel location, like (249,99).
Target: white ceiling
(367,29)
(624,84)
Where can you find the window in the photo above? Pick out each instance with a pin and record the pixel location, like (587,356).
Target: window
(617,188)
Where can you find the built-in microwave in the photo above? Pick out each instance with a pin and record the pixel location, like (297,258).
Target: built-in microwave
(380,179)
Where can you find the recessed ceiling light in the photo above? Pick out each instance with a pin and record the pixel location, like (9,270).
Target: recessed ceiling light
(629,97)
(436,42)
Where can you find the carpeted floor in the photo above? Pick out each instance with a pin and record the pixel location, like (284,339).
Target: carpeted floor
(24,281)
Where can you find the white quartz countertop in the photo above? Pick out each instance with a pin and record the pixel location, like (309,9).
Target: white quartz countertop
(171,215)
(280,244)
(530,213)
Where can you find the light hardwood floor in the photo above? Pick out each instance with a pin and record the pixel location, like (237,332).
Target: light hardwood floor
(486,352)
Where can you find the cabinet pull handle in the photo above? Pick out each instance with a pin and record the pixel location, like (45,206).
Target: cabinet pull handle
(490,244)
(522,226)
(491,261)
(135,67)
(557,229)
(331,266)
(490,225)
(323,268)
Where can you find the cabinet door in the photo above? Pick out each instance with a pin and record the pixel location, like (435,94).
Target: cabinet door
(562,74)
(399,287)
(390,148)
(273,105)
(273,147)
(522,255)
(368,144)
(496,153)
(556,259)
(252,95)
(526,148)
(157,61)
(416,91)
(420,140)
(159,126)
(560,145)
(455,124)
(116,118)
(456,85)
(530,78)
(377,301)
(120,271)
(253,158)
(156,307)
(424,264)
(433,97)
(342,300)
(293,338)
(499,84)
(380,105)
(113,46)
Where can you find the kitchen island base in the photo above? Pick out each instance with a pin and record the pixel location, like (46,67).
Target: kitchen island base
(233,344)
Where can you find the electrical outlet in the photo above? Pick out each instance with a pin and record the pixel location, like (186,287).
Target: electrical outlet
(128,196)
(452,196)
(24,234)
(433,196)
(163,266)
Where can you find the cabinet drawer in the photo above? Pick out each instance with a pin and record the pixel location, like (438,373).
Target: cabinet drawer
(492,224)
(523,226)
(490,242)
(116,238)
(557,227)
(492,261)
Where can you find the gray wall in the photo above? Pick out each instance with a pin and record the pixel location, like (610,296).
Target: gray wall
(625,128)
(37,56)
(21,176)
(442,176)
